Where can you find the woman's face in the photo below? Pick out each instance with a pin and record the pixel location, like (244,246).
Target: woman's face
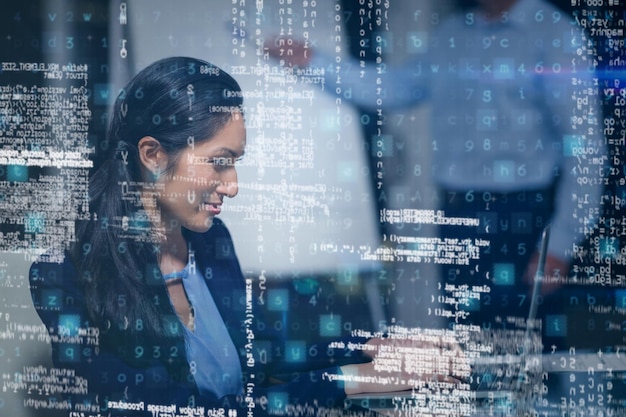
(193,190)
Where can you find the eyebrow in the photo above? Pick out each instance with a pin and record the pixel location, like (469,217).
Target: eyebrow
(231,152)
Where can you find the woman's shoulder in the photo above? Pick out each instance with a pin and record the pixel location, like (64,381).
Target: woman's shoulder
(52,283)
(51,271)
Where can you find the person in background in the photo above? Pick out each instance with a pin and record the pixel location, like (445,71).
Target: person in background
(516,137)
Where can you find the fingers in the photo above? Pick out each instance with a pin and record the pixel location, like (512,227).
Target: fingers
(433,356)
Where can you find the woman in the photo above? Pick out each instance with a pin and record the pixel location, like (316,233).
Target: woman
(147,306)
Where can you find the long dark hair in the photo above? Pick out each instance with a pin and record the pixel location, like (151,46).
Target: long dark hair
(177,101)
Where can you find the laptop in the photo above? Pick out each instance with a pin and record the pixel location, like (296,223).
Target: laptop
(498,383)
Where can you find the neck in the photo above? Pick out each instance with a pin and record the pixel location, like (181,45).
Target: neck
(172,255)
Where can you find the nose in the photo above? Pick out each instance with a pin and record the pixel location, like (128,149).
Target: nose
(228,184)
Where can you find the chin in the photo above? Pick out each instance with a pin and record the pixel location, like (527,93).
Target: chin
(201,227)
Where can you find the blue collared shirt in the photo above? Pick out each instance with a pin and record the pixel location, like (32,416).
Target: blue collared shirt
(212,356)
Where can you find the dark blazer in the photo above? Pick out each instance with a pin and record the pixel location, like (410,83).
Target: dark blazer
(122,386)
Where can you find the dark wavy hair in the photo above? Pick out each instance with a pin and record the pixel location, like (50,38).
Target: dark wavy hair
(174,100)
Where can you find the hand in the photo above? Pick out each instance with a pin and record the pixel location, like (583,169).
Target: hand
(291,51)
(403,364)
(555,268)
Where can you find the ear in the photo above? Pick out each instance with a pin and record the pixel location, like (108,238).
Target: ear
(152,155)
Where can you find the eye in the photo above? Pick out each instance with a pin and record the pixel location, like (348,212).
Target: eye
(223,162)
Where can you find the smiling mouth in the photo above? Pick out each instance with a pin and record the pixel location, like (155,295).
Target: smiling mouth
(214,209)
